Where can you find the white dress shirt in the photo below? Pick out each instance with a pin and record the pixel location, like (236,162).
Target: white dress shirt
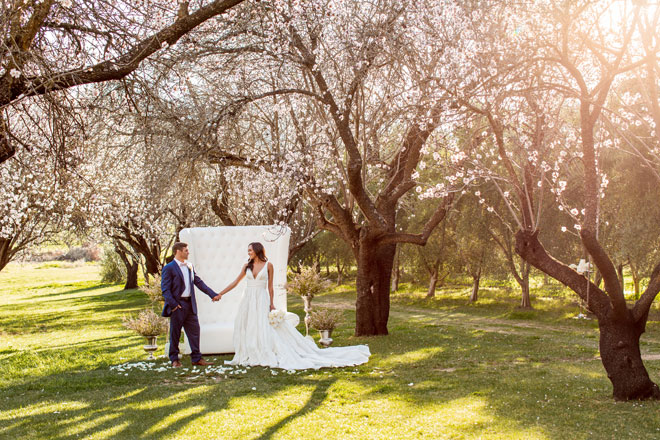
(186,277)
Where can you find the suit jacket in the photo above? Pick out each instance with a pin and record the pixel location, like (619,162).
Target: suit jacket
(172,285)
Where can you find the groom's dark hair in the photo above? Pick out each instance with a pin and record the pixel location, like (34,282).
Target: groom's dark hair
(179,246)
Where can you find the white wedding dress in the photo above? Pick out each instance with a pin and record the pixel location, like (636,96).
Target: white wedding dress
(257,342)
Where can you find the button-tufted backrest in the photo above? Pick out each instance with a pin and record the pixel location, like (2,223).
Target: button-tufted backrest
(219,253)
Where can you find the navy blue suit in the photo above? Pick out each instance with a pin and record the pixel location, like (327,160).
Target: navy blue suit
(173,287)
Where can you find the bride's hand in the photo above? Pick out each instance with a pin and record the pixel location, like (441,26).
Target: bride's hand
(272,307)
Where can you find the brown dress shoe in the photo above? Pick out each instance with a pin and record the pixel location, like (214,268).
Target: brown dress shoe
(202,362)
(176,364)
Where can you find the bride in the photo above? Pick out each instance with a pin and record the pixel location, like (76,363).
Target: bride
(256,342)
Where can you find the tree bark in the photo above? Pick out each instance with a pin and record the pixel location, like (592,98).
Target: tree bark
(340,272)
(132,264)
(7,149)
(636,278)
(432,284)
(621,357)
(131,276)
(5,252)
(396,273)
(375,263)
(598,278)
(526,302)
(476,278)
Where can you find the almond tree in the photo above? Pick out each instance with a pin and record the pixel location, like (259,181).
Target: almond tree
(38,198)
(545,121)
(366,102)
(53,45)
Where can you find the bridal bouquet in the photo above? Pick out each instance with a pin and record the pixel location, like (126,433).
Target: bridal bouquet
(275,317)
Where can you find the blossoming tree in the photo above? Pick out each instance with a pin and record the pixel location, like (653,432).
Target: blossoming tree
(51,45)
(544,118)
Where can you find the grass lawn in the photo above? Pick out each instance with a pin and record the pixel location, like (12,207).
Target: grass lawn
(68,369)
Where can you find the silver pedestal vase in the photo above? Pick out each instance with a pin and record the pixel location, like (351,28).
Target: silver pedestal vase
(307,301)
(151,346)
(326,340)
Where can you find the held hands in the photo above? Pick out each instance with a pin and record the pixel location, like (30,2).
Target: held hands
(216,298)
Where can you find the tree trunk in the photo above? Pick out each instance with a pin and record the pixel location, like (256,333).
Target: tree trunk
(635,276)
(636,281)
(5,252)
(619,270)
(374,274)
(619,352)
(7,148)
(131,263)
(598,278)
(396,275)
(432,284)
(131,276)
(526,302)
(476,278)
(340,272)
(395,279)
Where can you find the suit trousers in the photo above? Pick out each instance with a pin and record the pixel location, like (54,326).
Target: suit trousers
(184,317)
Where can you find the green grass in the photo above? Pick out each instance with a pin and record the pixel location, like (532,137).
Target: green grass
(448,370)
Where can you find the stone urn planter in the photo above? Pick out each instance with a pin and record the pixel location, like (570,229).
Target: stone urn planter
(151,346)
(148,324)
(326,339)
(325,321)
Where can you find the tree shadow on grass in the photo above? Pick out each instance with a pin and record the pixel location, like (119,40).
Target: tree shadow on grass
(514,377)
(66,312)
(90,289)
(317,398)
(141,405)
(125,417)
(537,384)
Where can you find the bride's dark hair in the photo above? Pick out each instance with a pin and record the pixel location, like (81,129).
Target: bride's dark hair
(258,249)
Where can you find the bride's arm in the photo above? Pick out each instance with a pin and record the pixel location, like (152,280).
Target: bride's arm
(270,285)
(235,282)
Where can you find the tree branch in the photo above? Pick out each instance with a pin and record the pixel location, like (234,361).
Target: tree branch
(641,308)
(421,238)
(531,250)
(118,67)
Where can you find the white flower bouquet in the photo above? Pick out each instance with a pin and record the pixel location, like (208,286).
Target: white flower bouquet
(275,317)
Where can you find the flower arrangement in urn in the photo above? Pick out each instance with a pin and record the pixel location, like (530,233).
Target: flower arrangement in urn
(325,321)
(152,290)
(307,284)
(148,324)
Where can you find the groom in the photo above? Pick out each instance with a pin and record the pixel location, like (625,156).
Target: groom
(177,282)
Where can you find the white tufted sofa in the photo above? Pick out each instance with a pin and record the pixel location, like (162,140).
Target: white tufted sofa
(217,254)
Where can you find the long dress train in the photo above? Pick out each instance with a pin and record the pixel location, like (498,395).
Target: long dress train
(256,342)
